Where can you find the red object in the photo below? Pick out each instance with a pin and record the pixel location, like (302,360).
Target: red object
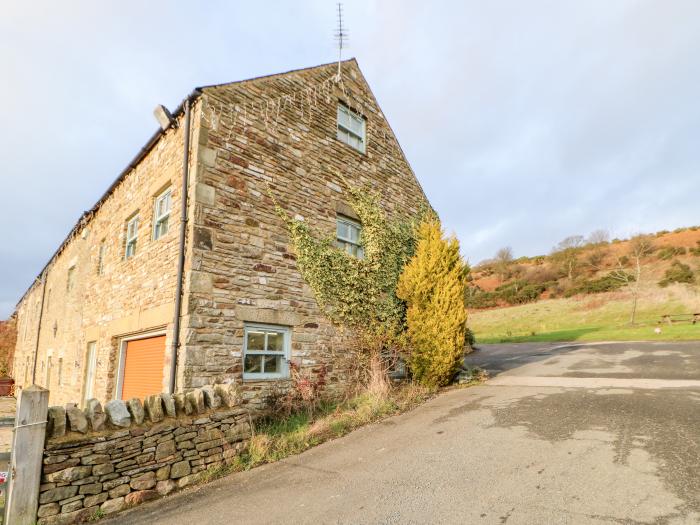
(7,385)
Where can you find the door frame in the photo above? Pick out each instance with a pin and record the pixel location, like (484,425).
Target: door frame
(122,354)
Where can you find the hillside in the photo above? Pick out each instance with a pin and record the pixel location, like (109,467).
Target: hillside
(587,292)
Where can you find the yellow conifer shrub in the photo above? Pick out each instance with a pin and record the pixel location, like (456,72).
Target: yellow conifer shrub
(433,285)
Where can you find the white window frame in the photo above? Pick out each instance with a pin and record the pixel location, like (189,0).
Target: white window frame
(345,243)
(161,218)
(131,236)
(345,133)
(284,353)
(90,371)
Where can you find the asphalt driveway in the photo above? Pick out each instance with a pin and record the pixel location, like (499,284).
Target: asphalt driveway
(605,433)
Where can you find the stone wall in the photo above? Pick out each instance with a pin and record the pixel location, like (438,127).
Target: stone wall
(246,268)
(100,460)
(128,297)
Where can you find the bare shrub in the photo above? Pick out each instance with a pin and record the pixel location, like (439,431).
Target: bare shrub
(304,395)
(540,275)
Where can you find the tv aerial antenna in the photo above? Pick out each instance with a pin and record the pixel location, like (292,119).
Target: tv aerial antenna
(341,37)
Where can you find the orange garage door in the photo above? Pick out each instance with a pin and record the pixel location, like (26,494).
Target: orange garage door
(143,367)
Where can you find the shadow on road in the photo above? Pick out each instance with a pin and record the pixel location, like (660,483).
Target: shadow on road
(502,357)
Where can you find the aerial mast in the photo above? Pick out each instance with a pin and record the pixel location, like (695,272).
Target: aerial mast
(341,37)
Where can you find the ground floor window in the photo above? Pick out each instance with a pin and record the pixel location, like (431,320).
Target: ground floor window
(266,351)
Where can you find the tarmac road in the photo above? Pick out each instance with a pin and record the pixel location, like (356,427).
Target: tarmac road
(587,434)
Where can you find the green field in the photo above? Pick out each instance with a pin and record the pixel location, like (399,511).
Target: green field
(601,317)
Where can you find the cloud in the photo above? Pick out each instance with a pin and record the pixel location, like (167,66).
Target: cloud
(526,122)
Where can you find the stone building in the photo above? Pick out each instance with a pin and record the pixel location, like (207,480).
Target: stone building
(101,318)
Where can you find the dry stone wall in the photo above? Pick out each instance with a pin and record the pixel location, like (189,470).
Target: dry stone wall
(103,459)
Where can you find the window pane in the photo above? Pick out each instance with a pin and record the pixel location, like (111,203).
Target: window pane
(252,364)
(256,341)
(275,341)
(342,229)
(354,233)
(273,364)
(161,227)
(343,117)
(356,126)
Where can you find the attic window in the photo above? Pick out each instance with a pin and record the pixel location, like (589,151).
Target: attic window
(351,128)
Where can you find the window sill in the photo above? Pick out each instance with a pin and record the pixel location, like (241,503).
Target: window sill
(351,148)
(264,377)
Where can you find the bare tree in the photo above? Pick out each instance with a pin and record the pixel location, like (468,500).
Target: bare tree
(640,247)
(599,237)
(503,260)
(504,255)
(572,241)
(565,254)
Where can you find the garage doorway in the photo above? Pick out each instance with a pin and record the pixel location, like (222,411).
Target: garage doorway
(141,369)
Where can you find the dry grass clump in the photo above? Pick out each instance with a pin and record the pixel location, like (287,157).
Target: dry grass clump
(276,439)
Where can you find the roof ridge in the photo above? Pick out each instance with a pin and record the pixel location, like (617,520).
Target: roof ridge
(273,75)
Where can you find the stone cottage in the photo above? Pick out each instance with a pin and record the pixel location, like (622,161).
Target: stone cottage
(182,274)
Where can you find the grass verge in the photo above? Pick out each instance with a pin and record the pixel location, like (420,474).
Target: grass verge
(603,317)
(277,439)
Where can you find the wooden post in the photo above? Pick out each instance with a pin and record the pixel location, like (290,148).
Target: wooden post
(27,456)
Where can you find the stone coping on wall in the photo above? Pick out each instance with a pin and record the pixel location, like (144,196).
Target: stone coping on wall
(97,462)
(69,421)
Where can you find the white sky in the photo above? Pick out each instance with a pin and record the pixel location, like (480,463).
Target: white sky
(525,120)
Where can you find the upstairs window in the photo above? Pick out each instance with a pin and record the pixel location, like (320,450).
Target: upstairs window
(70,279)
(161,213)
(132,233)
(101,257)
(348,234)
(266,352)
(351,128)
